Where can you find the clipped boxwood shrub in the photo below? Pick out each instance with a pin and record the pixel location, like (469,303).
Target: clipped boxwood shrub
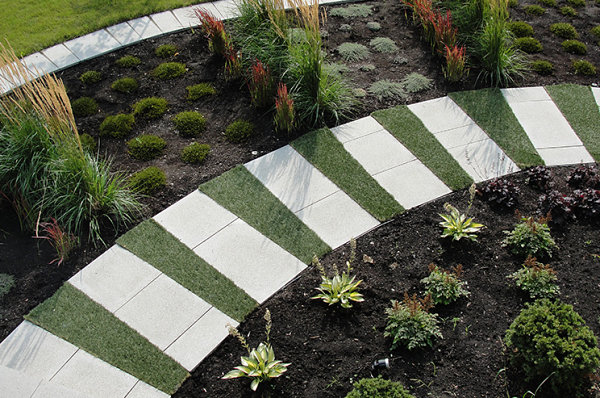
(88,143)
(150,108)
(169,70)
(568,11)
(583,67)
(574,47)
(199,90)
(534,9)
(190,123)
(378,388)
(195,153)
(90,77)
(146,147)
(564,30)
(117,126)
(84,106)
(542,67)
(166,51)
(576,3)
(128,61)
(520,29)
(125,85)
(239,130)
(548,3)
(529,45)
(148,180)
(549,336)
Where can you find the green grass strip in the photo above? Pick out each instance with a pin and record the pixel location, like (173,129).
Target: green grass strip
(74,317)
(410,131)
(491,112)
(245,196)
(153,244)
(326,153)
(579,107)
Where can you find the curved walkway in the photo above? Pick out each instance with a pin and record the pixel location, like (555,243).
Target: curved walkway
(172,283)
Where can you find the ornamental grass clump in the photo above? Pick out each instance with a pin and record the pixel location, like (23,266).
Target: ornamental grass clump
(353,52)
(387,89)
(285,118)
(383,45)
(536,279)
(530,237)
(352,11)
(456,61)
(415,82)
(445,287)
(63,242)
(214,30)
(410,324)
(260,85)
(458,225)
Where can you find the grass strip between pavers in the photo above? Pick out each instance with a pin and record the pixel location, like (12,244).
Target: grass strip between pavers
(155,245)
(326,153)
(74,317)
(245,196)
(412,133)
(579,107)
(489,109)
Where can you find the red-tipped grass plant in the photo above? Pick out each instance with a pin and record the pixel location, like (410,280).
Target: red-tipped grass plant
(455,63)
(260,85)
(62,241)
(284,110)
(218,40)
(444,34)
(233,64)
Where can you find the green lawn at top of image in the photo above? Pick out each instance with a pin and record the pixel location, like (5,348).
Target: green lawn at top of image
(74,317)
(153,244)
(32,25)
(491,112)
(410,131)
(579,107)
(326,153)
(245,196)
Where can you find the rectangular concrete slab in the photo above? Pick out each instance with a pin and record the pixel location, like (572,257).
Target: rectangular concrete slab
(461,136)
(201,339)
(525,94)
(143,390)
(38,64)
(412,184)
(166,22)
(356,129)
(94,377)
(124,33)
(440,114)
(114,277)
(291,178)
(336,219)
(15,384)
(251,260)
(145,27)
(92,44)
(60,56)
(162,311)
(227,8)
(34,351)
(565,155)
(48,389)
(186,16)
(483,160)
(194,218)
(596,93)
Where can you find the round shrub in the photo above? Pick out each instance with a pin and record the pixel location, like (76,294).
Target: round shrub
(148,180)
(383,45)
(528,45)
(128,61)
(520,29)
(548,3)
(199,90)
(373,26)
(168,70)
(88,143)
(166,51)
(146,147)
(84,106)
(239,130)
(564,30)
(90,77)
(535,10)
(378,388)
(125,85)
(195,153)
(353,51)
(117,126)
(576,3)
(596,31)
(583,67)
(549,336)
(150,108)
(574,47)
(189,124)
(542,67)
(568,11)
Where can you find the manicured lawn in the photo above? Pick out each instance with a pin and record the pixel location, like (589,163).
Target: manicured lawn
(410,131)
(73,316)
(32,25)
(153,244)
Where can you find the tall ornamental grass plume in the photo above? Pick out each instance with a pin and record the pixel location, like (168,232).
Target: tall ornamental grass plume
(214,30)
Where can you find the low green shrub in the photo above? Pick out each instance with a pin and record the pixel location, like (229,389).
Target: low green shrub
(583,67)
(568,11)
(574,47)
(199,90)
(128,61)
(443,286)
(88,143)
(383,45)
(596,31)
(125,85)
(459,225)
(548,338)
(530,237)
(536,279)
(534,9)
(564,30)
(195,153)
(548,3)
(84,106)
(90,77)
(189,124)
(384,89)
(410,324)
(146,147)
(520,29)
(352,11)
(542,67)
(239,130)
(7,282)
(148,180)
(150,108)
(353,52)
(166,51)
(576,3)
(374,26)
(336,68)
(378,388)
(169,70)
(529,45)
(415,82)
(117,126)
(513,3)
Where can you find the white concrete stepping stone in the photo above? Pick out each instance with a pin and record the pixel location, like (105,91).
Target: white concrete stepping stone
(356,129)
(124,33)
(38,64)
(60,56)
(48,389)
(227,8)
(166,22)
(596,93)
(186,16)
(92,44)
(468,144)
(15,384)
(143,390)
(145,27)
(546,126)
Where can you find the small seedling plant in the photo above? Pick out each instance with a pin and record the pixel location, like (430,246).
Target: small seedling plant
(459,225)
(410,324)
(530,237)
(260,364)
(444,286)
(536,279)
(62,241)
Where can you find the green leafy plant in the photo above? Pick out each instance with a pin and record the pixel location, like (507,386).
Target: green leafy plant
(530,237)
(169,70)
(443,286)
(146,146)
(457,225)
(568,11)
(548,3)
(383,89)
(410,324)
(596,32)
(520,29)
(529,45)
(542,67)
(352,11)
(62,241)
(84,106)
(199,90)
(128,61)
(383,45)
(88,143)
(260,364)
(583,67)
(342,288)
(378,388)
(195,153)
(150,108)
(117,126)
(166,51)
(190,123)
(534,9)
(239,131)
(576,3)
(537,279)
(415,82)
(148,180)
(7,282)
(353,52)
(564,30)
(574,47)
(125,85)
(90,77)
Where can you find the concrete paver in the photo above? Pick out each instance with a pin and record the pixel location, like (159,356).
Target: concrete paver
(92,45)
(124,33)
(356,129)
(143,390)
(38,64)
(596,93)
(166,22)
(145,27)
(60,56)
